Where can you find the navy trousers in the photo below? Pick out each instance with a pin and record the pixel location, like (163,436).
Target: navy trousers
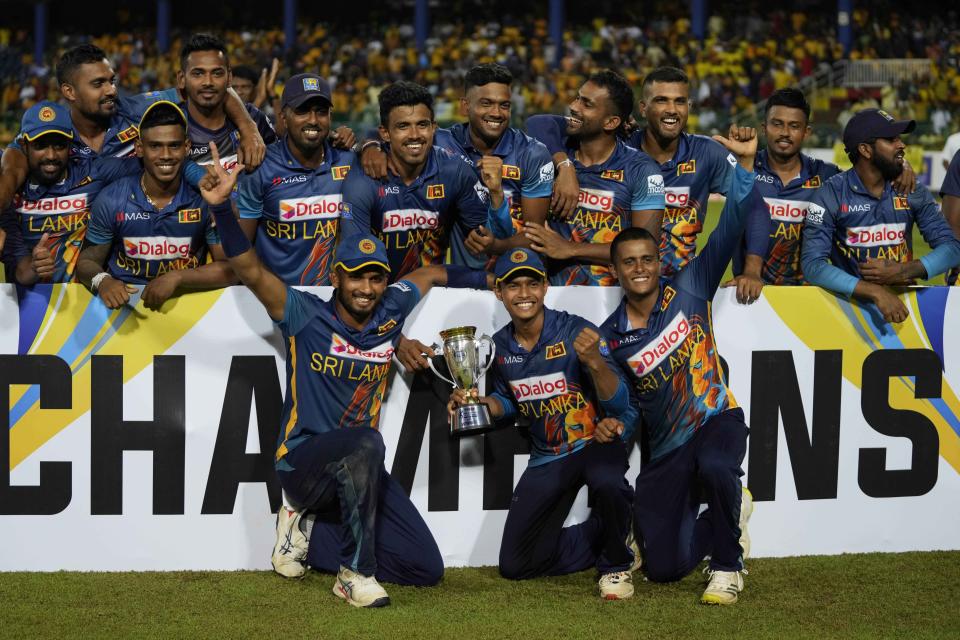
(365,521)
(670,490)
(535,542)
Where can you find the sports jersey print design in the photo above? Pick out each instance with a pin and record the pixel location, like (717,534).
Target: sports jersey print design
(227,137)
(299,211)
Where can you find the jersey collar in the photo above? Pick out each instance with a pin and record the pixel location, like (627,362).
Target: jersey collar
(683,150)
(140,199)
(856,185)
(461,133)
(290,162)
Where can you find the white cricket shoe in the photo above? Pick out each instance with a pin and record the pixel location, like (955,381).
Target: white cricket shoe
(746,510)
(359,590)
(616,586)
(723,588)
(290,552)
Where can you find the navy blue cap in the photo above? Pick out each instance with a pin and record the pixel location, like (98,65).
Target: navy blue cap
(518,260)
(46,117)
(873,123)
(361,250)
(303,87)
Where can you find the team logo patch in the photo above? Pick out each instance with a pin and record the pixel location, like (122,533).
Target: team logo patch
(386,326)
(367,246)
(128,134)
(83,182)
(518,256)
(47,114)
(612,174)
(311,84)
(668,293)
(690,166)
(812,183)
(900,203)
(511,172)
(188,215)
(887,116)
(339,173)
(556,351)
(434,192)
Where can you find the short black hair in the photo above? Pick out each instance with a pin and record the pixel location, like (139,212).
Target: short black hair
(628,234)
(76,56)
(246,72)
(483,74)
(621,95)
(162,115)
(789,97)
(666,74)
(202,42)
(403,94)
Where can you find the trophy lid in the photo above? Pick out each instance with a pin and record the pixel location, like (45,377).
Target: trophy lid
(458,332)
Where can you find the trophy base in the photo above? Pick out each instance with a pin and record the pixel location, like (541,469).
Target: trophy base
(471,420)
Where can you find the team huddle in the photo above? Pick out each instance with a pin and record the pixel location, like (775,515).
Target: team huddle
(150,196)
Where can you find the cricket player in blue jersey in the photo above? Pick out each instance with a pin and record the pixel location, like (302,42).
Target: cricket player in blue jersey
(48,219)
(152,228)
(619,186)
(692,166)
(950,198)
(553,369)
(105,124)
(661,334)
(291,205)
(858,235)
(330,453)
(428,190)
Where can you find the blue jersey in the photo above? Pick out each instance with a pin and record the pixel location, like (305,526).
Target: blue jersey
(951,187)
(415,221)
(120,135)
(61,210)
(784,207)
(227,137)
(847,224)
(701,166)
(673,361)
(147,243)
(337,375)
(299,211)
(548,386)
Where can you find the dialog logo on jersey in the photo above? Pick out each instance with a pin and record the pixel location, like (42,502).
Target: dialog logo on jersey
(54,206)
(312,207)
(539,387)
(157,248)
(339,346)
(787,210)
(595,199)
(676,197)
(655,352)
(407,219)
(877,235)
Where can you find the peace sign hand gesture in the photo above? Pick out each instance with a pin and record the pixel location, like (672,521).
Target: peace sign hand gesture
(216,186)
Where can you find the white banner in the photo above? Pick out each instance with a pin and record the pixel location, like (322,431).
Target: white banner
(144,441)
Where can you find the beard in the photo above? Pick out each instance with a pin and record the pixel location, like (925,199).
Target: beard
(889,169)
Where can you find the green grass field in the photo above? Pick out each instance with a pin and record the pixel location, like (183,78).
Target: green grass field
(908,595)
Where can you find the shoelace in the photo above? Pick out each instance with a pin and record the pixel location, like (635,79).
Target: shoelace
(616,578)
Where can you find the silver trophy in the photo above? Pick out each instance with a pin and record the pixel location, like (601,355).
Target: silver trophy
(461,352)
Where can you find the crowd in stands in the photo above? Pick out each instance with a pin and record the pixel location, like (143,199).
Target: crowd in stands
(744,57)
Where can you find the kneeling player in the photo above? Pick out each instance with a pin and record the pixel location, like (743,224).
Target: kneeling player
(662,335)
(330,454)
(554,370)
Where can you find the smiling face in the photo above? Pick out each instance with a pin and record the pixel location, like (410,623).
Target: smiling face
(205,78)
(409,131)
(359,292)
(522,296)
(47,158)
(163,150)
(92,90)
(637,266)
(785,129)
(487,109)
(666,107)
(308,125)
(591,112)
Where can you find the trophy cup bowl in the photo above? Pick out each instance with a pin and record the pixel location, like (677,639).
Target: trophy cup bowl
(461,353)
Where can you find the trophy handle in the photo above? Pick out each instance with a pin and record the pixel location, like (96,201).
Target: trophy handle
(437,348)
(493,352)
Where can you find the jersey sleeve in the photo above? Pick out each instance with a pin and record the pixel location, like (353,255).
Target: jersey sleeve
(264,126)
(110,169)
(210,233)
(134,106)
(937,233)
(503,395)
(358,204)
(250,195)
(473,210)
(401,297)
(818,230)
(701,277)
(722,166)
(951,182)
(14,247)
(538,173)
(648,191)
(300,309)
(757,234)
(100,228)
(550,130)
